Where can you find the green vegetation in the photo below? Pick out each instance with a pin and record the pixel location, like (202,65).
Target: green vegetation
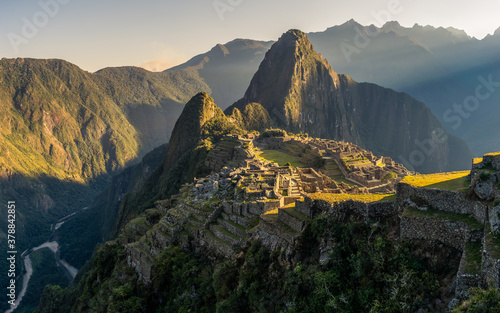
(355,160)
(282,158)
(447,181)
(487,301)
(473,258)
(367,198)
(492,243)
(254,117)
(365,270)
(443,215)
(484,175)
(273,133)
(389,176)
(65,131)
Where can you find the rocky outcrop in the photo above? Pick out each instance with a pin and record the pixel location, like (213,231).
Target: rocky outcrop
(485,175)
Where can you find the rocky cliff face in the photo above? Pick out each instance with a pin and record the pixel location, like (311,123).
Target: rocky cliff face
(188,128)
(301,92)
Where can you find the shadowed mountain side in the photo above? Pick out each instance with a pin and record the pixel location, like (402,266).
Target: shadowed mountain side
(441,67)
(228,68)
(80,235)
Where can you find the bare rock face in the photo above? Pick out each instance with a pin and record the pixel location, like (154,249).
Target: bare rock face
(484,189)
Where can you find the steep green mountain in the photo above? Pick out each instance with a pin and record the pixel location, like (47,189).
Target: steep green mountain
(79,235)
(77,125)
(55,116)
(301,93)
(64,131)
(201,125)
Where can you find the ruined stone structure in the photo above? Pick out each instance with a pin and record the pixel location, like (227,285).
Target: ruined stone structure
(218,214)
(354,163)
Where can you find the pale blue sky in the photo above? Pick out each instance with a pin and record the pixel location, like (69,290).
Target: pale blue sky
(157,34)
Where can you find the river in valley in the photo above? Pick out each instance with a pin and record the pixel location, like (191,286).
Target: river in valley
(53,245)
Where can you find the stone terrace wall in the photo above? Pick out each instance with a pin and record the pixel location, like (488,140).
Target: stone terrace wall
(454,234)
(443,200)
(340,210)
(494,160)
(490,269)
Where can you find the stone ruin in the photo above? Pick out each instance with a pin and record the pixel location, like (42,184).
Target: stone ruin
(355,164)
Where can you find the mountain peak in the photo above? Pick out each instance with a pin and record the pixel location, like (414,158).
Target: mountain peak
(497,32)
(286,79)
(294,37)
(197,112)
(391,24)
(295,33)
(286,66)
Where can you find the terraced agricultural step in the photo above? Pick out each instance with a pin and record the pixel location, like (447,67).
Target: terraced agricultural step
(243,221)
(201,214)
(159,239)
(166,228)
(192,230)
(294,219)
(233,227)
(272,225)
(223,234)
(218,244)
(195,222)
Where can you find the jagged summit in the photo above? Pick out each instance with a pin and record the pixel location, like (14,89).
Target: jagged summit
(291,70)
(350,24)
(497,32)
(197,112)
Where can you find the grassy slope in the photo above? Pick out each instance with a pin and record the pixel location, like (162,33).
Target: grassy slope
(447,181)
(282,158)
(333,197)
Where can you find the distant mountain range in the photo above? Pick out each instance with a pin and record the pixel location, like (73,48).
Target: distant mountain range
(441,67)
(438,66)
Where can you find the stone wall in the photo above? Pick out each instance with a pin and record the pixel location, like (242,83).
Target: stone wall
(490,268)
(271,229)
(140,260)
(443,200)
(494,216)
(340,210)
(463,283)
(294,223)
(449,233)
(494,160)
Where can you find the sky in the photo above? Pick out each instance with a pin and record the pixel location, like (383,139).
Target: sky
(156,35)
